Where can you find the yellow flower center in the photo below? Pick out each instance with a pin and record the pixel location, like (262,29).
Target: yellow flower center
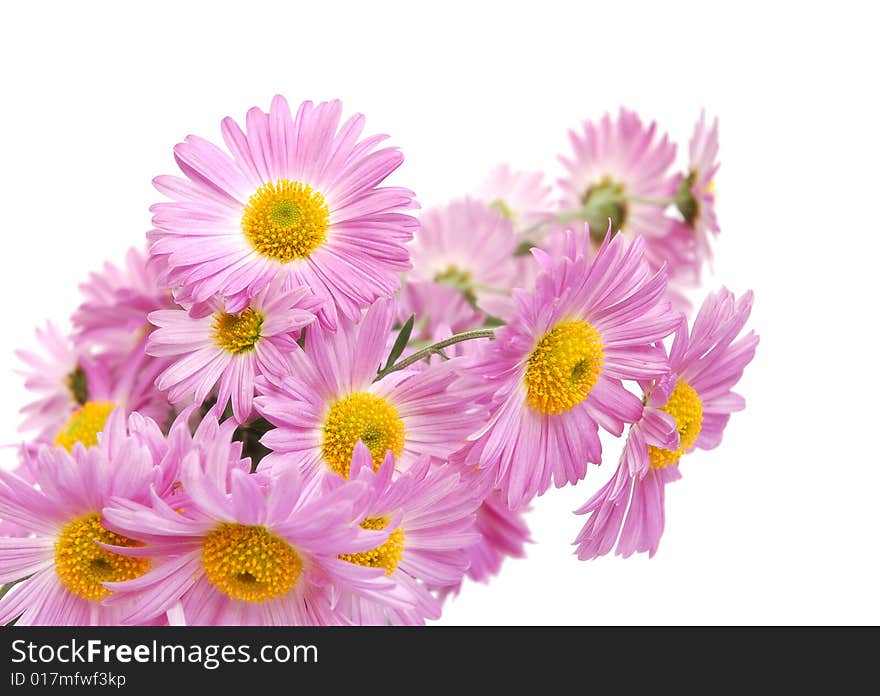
(249,563)
(564,367)
(84,424)
(286,220)
(237,333)
(365,417)
(686,407)
(83,566)
(710,187)
(387,555)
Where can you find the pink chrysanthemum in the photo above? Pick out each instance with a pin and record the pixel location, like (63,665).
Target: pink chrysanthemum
(229,350)
(61,565)
(243,549)
(468,246)
(522,197)
(695,199)
(555,371)
(112,318)
(431,517)
(297,198)
(617,162)
(79,391)
(59,380)
(111,325)
(330,400)
(686,409)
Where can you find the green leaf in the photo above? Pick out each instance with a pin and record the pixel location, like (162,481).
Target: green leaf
(400,342)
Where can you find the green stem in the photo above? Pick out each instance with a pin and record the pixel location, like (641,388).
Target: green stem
(435,348)
(662,202)
(561,218)
(585,213)
(531,229)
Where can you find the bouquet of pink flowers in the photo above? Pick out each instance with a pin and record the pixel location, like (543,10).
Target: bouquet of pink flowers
(304,405)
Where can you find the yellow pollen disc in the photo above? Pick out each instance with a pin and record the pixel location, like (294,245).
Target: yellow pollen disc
(387,555)
(686,407)
(237,333)
(286,220)
(82,565)
(710,187)
(249,563)
(84,424)
(563,367)
(365,417)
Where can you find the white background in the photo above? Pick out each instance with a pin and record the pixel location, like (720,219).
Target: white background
(779,525)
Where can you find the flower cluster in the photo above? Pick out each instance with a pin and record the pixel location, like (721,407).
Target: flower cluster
(302,404)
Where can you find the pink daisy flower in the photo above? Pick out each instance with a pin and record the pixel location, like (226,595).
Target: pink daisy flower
(62,564)
(685,409)
(468,246)
(112,319)
(555,371)
(58,379)
(695,199)
(245,550)
(330,400)
(77,392)
(615,163)
(112,323)
(299,198)
(87,428)
(431,515)
(521,197)
(228,350)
